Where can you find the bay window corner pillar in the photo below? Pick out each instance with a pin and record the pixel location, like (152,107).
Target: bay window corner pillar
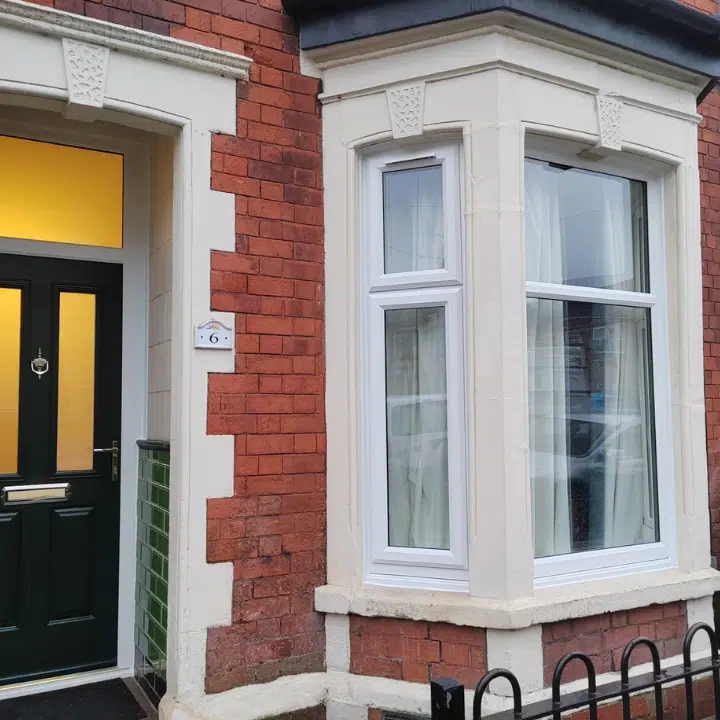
(501,552)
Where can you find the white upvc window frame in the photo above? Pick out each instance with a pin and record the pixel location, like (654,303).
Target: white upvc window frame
(612,562)
(384,564)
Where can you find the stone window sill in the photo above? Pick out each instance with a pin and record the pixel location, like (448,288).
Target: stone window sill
(546,606)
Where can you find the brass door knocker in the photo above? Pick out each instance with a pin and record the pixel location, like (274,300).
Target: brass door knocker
(39,365)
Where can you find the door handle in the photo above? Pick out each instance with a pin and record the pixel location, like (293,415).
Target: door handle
(115,451)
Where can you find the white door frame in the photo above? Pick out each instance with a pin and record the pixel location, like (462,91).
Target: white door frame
(134,259)
(169,87)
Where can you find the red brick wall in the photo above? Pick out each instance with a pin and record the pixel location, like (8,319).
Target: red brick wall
(604,637)
(706,6)
(273,528)
(416,651)
(709,147)
(314,713)
(709,161)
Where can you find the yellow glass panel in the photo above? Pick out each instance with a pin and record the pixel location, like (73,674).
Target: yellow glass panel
(76,382)
(59,193)
(9,378)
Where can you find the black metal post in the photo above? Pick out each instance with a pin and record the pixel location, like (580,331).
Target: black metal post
(485,683)
(625,676)
(557,679)
(447,699)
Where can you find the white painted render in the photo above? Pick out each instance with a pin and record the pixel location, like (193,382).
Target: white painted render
(546,605)
(519,651)
(160,289)
(337,642)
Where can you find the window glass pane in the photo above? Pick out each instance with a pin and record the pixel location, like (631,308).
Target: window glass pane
(591,426)
(585,228)
(10,308)
(413,220)
(417,462)
(76,382)
(58,193)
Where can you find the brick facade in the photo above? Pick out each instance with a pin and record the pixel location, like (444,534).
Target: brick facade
(416,651)
(273,528)
(314,713)
(709,148)
(604,637)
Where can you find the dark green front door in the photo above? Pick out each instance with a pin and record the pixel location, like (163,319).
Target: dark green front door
(60,389)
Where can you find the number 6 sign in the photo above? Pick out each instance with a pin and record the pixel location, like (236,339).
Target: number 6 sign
(213,335)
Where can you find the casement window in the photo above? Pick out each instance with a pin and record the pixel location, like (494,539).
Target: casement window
(413,369)
(598,377)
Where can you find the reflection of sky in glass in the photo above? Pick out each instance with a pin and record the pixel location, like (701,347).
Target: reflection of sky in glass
(600,221)
(413,219)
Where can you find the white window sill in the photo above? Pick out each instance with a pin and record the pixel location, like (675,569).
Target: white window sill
(547,605)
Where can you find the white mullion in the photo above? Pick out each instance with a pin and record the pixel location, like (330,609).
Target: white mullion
(550,291)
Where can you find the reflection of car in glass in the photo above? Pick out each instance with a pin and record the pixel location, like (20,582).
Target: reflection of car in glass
(417,415)
(598,446)
(417,435)
(417,467)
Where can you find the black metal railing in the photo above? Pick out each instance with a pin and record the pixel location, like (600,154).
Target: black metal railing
(448,695)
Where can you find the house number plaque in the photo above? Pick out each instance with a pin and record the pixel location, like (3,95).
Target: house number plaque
(213,335)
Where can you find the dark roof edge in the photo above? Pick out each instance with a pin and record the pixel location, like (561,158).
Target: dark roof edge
(672,10)
(666,30)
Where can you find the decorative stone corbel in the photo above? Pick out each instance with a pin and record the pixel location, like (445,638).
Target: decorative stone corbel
(86,69)
(406,105)
(610,111)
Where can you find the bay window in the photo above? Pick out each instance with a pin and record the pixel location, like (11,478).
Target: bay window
(597,359)
(598,392)
(514,319)
(414,369)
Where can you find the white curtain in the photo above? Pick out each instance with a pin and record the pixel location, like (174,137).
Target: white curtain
(414,224)
(546,361)
(418,512)
(417,428)
(613,475)
(625,450)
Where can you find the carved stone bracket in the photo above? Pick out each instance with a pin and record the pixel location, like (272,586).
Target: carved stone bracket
(406,105)
(86,69)
(610,111)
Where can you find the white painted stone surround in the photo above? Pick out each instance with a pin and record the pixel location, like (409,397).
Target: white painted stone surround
(88,69)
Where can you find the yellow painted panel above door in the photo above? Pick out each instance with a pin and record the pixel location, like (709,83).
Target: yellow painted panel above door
(76,382)
(59,193)
(10,319)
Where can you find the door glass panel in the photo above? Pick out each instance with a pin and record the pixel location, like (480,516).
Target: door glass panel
(76,382)
(58,193)
(10,299)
